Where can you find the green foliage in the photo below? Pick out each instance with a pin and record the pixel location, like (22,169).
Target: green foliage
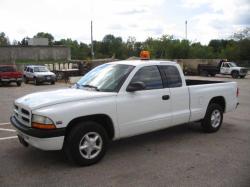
(166,47)
(4,40)
(78,50)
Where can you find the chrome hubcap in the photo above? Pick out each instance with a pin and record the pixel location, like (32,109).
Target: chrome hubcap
(215,118)
(90,145)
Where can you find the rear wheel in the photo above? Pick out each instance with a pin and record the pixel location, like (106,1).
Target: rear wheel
(52,82)
(213,118)
(86,143)
(18,83)
(212,74)
(235,74)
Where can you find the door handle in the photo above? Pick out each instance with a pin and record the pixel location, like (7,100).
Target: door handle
(165,97)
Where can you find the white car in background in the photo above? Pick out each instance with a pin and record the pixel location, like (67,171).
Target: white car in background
(38,74)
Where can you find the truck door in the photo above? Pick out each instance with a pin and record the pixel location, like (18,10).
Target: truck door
(145,110)
(179,94)
(225,68)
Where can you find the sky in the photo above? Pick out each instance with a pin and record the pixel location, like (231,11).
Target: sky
(206,19)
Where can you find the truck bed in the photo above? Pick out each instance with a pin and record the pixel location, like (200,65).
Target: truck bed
(208,68)
(201,92)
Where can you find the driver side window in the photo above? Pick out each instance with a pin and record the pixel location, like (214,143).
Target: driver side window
(150,76)
(225,65)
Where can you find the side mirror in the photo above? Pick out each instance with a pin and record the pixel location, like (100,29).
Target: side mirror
(136,86)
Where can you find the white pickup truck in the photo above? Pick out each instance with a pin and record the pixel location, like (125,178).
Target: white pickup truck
(118,100)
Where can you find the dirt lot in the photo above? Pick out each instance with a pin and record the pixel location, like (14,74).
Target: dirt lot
(178,156)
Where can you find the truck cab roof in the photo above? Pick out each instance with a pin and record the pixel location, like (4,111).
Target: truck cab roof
(144,62)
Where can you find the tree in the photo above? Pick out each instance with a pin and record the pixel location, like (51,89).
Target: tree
(113,46)
(24,41)
(45,35)
(78,51)
(241,35)
(4,40)
(130,46)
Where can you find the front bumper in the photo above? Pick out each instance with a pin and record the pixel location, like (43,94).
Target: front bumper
(46,79)
(11,79)
(41,139)
(243,72)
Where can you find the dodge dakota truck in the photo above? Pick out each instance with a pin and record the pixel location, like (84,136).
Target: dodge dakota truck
(118,100)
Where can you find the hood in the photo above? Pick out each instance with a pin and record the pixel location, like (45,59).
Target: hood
(44,73)
(236,68)
(47,98)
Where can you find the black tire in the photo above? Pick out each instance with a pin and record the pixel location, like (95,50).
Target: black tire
(209,125)
(235,74)
(35,81)
(52,82)
(242,77)
(25,80)
(19,83)
(212,74)
(75,138)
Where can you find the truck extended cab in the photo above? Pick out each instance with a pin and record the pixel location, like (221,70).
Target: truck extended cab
(9,74)
(118,100)
(224,68)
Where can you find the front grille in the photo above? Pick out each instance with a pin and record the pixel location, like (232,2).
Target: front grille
(25,112)
(244,70)
(22,115)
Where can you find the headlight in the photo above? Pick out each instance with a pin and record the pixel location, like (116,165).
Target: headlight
(42,122)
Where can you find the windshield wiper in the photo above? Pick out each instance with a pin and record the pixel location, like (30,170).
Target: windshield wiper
(90,86)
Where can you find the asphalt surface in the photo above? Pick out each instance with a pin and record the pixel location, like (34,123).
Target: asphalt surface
(177,156)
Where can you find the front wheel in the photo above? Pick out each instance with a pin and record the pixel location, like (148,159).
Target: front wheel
(213,118)
(36,81)
(86,143)
(235,74)
(25,80)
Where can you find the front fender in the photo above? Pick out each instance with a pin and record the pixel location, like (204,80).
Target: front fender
(62,114)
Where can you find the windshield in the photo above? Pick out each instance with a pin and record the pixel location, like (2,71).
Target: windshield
(40,69)
(105,78)
(7,69)
(232,64)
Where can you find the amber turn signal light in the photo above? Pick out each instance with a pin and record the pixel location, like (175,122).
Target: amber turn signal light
(43,126)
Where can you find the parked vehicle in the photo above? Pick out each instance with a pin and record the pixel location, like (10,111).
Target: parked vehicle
(38,74)
(9,74)
(118,100)
(224,68)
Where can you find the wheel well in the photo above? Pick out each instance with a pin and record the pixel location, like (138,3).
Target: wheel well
(220,101)
(235,71)
(102,119)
